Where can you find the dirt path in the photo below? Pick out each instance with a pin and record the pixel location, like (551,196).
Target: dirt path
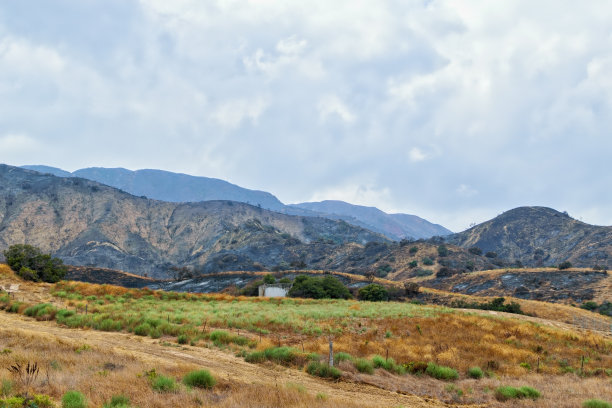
(222,364)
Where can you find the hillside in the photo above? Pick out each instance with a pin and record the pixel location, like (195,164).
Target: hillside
(89,224)
(539,236)
(263,351)
(394,226)
(176,187)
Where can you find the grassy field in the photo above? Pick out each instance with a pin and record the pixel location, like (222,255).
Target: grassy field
(424,350)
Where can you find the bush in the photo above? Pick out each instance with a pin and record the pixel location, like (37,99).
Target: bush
(182,339)
(427,261)
(142,329)
(269,279)
(313,287)
(506,393)
(413,250)
(199,379)
(475,250)
(118,401)
(595,403)
(491,254)
(413,264)
(31,264)
(163,384)
(374,293)
(74,399)
(565,265)
(364,366)
(323,370)
(339,357)
(442,251)
(441,372)
(475,372)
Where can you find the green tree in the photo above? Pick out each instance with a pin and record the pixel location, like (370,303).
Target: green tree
(442,250)
(269,279)
(31,264)
(374,293)
(319,288)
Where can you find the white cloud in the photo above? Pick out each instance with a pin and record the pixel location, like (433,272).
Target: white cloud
(17,143)
(333,105)
(417,155)
(232,113)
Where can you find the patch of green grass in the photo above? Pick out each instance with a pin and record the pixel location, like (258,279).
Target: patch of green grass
(475,372)
(596,403)
(74,399)
(6,387)
(506,393)
(364,366)
(142,329)
(341,356)
(162,383)
(441,372)
(118,401)
(199,379)
(323,370)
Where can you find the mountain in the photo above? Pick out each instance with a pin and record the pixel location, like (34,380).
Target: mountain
(540,236)
(90,224)
(176,187)
(394,226)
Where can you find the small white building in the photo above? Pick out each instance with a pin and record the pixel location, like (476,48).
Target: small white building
(275,289)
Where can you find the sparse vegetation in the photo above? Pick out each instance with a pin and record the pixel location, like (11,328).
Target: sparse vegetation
(565,265)
(441,372)
(475,372)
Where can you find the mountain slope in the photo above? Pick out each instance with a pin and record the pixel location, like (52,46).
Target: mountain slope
(538,236)
(394,226)
(176,187)
(90,224)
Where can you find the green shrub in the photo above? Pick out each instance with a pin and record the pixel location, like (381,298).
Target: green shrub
(323,370)
(475,372)
(163,384)
(427,261)
(74,399)
(41,311)
(255,357)
(364,366)
(339,357)
(13,402)
(373,293)
(565,265)
(41,401)
(314,287)
(506,393)
(199,379)
(142,329)
(442,251)
(6,388)
(441,372)
(314,356)
(118,401)
(417,367)
(595,403)
(182,339)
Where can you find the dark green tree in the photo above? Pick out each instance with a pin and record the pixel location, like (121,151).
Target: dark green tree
(31,263)
(374,293)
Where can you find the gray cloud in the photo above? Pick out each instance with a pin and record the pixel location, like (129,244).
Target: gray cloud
(455,111)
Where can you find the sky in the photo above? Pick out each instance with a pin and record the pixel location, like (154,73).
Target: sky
(451,110)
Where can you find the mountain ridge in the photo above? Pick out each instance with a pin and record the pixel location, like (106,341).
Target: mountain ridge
(178,187)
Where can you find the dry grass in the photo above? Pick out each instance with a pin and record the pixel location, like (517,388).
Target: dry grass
(102,373)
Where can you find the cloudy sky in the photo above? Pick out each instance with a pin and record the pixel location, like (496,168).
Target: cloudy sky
(452,110)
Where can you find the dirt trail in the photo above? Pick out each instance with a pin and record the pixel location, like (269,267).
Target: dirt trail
(222,364)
